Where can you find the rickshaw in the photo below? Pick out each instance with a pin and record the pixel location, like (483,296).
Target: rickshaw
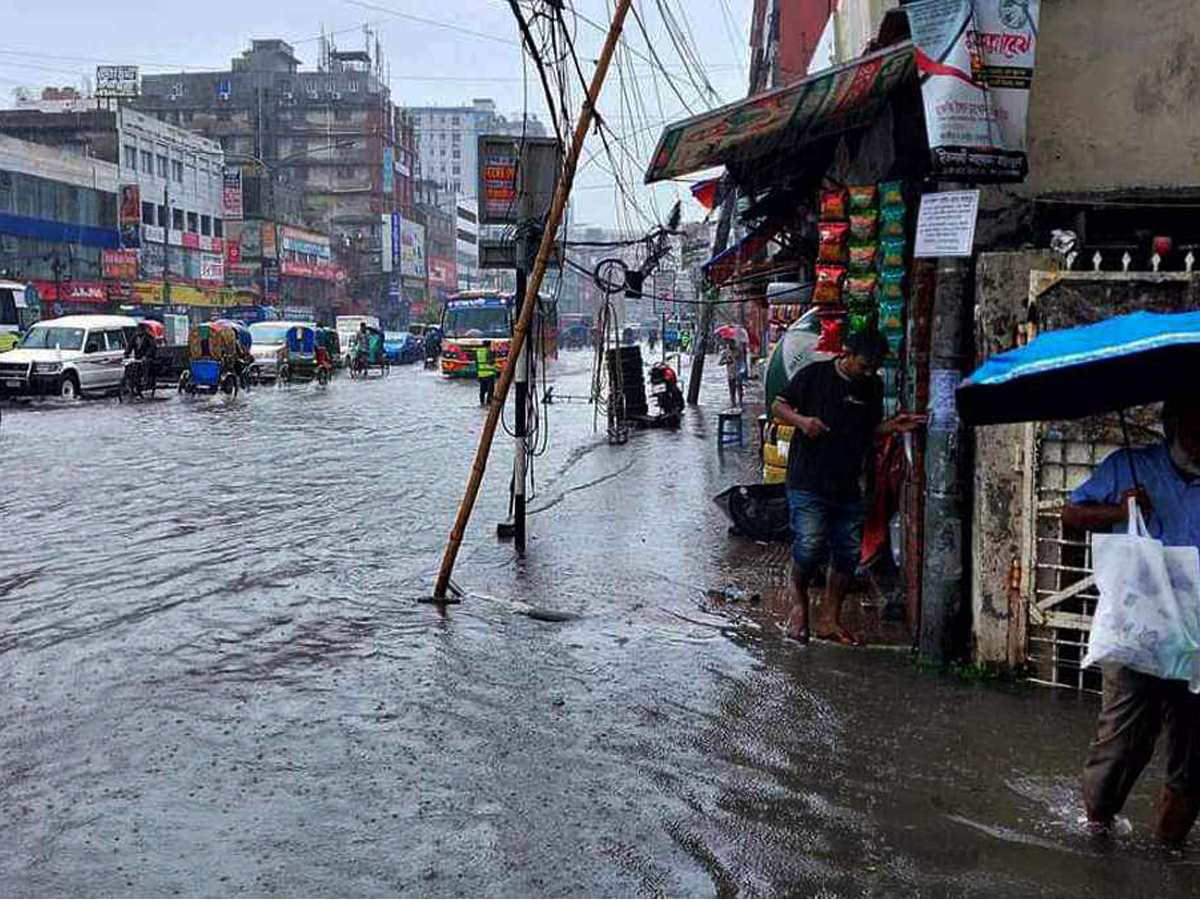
(244,363)
(306,358)
(214,351)
(368,353)
(328,338)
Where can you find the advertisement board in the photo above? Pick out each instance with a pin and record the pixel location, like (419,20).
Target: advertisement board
(976,60)
(385,243)
(130,218)
(116,81)
(304,242)
(231,192)
(516,177)
(412,249)
(121,264)
(389,172)
(212,267)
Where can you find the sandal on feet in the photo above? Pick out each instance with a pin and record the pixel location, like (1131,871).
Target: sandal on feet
(800,637)
(840,636)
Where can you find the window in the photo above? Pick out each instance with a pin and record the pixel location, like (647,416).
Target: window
(456,137)
(177,220)
(300,173)
(342,115)
(456,170)
(224,115)
(352,86)
(162,216)
(95,342)
(206,226)
(218,228)
(162,166)
(193,222)
(116,339)
(177,170)
(457,187)
(147,162)
(457,154)
(455,121)
(347,172)
(131,157)
(147,213)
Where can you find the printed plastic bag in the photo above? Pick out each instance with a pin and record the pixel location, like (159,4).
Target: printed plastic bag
(833,242)
(1148,617)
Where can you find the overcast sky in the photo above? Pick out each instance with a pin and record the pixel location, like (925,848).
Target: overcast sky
(54,42)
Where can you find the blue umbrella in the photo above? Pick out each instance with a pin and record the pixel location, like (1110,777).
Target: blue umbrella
(1121,362)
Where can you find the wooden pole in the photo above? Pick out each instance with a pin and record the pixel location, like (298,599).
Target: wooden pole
(529,301)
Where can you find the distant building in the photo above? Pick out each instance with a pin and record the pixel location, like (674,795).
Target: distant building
(330,133)
(447,139)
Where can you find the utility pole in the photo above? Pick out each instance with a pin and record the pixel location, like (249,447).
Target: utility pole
(943,582)
(520,332)
(720,242)
(166,291)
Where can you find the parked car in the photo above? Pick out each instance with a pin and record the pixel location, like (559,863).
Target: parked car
(68,357)
(402,347)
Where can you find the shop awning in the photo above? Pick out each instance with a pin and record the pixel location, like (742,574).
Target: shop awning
(722,267)
(825,104)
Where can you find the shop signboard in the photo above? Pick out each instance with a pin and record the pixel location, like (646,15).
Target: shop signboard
(212,267)
(822,105)
(131,215)
(397,241)
(516,177)
(385,243)
(151,261)
(389,172)
(233,250)
(308,270)
(72,291)
(412,249)
(121,264)
(116,81)
(231,192)
(269,248)
(976,60)
(305,242)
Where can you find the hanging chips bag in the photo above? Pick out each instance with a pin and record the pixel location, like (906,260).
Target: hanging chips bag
(833,205)
(861,321)
(834,242)
(893,253)
(830,340)
(829,284)
(891,194)
(864,226)
(861,288)
(895,342)
(891,223)
(863,256)
(862,196)
(891,285)
(891,316)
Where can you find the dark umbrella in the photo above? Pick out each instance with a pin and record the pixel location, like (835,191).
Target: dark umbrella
(1124,361)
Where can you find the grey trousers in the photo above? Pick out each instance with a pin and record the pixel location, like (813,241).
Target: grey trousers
(1136,709)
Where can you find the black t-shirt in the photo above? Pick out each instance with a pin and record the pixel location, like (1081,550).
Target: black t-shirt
(831,465)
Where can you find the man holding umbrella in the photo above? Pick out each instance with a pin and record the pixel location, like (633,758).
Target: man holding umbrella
(1138,706)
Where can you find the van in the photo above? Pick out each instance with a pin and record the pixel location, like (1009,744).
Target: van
(68,357)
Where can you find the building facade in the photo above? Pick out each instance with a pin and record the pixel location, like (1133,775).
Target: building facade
(329,132)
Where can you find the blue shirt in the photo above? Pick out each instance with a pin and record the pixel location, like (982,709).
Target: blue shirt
(1176,517)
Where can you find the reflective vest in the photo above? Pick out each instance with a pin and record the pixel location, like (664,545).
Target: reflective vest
(484,367)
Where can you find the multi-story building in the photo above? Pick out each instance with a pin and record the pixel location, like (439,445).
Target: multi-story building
(441,245)
(447,139)
(171,180)
(58,217)
(330,132)
(466,231)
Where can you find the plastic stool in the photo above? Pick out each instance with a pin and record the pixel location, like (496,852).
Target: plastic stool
(729,428)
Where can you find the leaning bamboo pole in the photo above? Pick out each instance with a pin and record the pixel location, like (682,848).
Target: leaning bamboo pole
(529,301)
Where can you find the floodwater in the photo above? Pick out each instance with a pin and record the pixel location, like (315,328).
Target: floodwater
(217,679)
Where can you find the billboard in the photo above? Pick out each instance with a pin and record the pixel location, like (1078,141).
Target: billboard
(516,177)
(121,264)
(212,267)
(116,81)
(412,249)
(389,172)
(231,191)
(975,59)
(387,259)
(130,219)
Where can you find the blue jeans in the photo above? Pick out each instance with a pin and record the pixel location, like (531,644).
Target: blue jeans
(824,531)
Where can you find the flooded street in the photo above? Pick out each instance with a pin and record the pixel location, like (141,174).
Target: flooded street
(217,679)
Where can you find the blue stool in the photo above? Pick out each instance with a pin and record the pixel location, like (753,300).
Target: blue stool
(729,428)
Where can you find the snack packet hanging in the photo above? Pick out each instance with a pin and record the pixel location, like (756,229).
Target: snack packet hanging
(893,253)
(829,284)
(891,194)
(830,340)
(834,242)
(891,223)
(862,196)
(860,321)
(861,288)
(895,342)
(863,256)
(891,316)
(833,205)
(891,285)
(864,226)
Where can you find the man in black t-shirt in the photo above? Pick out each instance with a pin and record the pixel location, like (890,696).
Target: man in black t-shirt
(836,407)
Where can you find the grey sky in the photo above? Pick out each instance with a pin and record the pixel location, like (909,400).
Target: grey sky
(60,43)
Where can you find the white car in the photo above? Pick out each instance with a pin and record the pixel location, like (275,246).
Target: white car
(269,346)
(68,357)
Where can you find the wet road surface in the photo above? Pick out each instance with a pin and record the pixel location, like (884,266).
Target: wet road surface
(217,681)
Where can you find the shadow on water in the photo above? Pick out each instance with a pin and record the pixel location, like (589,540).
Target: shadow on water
(218,681)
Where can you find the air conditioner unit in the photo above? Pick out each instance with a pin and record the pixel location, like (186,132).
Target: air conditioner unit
(335,95)
(289,96)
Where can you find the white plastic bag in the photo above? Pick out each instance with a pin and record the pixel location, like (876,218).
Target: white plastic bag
(1148,617)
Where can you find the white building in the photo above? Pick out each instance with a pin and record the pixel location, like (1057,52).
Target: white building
(467,245)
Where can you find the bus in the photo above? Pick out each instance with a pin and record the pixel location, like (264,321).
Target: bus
(19,308)
(472,317)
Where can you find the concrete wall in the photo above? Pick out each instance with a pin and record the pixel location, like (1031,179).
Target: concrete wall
(1001,294)
(1116,97)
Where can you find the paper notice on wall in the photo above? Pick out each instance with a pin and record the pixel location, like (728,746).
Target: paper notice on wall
(943,400)
(946,224)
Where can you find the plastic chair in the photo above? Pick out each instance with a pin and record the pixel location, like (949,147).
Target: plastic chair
(729,428)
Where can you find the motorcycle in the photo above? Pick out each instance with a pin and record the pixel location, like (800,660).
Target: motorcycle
(137,380)
(668,398)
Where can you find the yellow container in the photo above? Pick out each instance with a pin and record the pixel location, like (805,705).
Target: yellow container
(775,455)
(774,474)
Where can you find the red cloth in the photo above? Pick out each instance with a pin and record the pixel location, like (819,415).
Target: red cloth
(889,481)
